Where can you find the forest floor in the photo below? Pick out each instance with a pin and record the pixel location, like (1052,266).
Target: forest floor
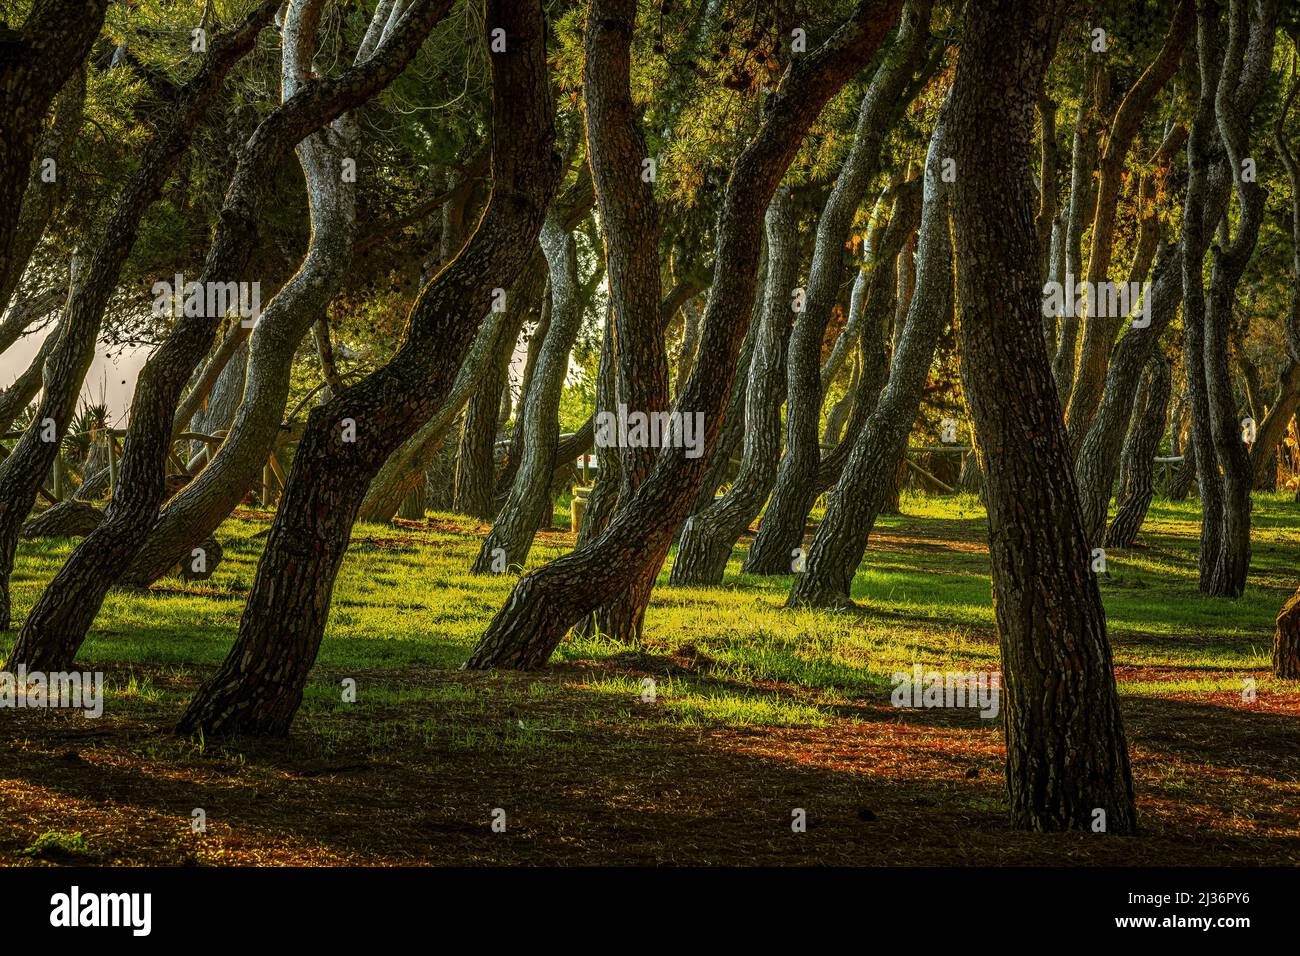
(757,712)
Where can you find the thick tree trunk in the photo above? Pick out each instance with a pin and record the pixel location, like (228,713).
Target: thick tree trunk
(1137,465)
(782,527)
(22,472)
(870,476)
(629,221)
(708,536)
(260,685)
(555,597)
(1067,757)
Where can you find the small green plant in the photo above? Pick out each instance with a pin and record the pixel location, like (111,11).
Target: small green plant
(59,847)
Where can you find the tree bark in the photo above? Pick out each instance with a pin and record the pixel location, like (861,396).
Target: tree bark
(1099,458)
(22,472)
(708,536)
(553,598)
(1100,330)
(1137,464)
(52,43)
(782,527)
(260,685)
(529,502)
(1066,751)
(869,476)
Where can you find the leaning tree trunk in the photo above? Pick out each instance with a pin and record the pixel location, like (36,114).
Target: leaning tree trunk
(1099,330)
(708,536)
(529,502)
(475,482)
(41,197)
(1150,413)
(1099,459)
(546,603)
(260,685)
(629,221)
(59,621)
(1067,757)
(39,57)
(21,474)
(308,104)
(782,527)
(869,476)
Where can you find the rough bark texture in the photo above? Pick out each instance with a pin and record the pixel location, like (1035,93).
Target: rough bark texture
(708,537)
(1066,752)
(529,504)
(260,685)
(555,597)
(22,472)
(1229,90)
(782,527)
(869,478)
(1137,463)
(297,122)
(52,43)
(40,199)
(59,621)
(1286,640)
(629,221)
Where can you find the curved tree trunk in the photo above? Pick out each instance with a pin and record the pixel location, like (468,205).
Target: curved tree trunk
(1231,100)
(1137,484)
(260,685)
(52,42)
(1067,756)
(1099,330)
(552,599)
(307,106)
(1099,459)
(40,199)
(708,536)
(529,502)
(869,476)
(782,527)
(59,621)
(21,474)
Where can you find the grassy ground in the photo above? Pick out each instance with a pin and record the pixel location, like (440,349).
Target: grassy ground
(757,711)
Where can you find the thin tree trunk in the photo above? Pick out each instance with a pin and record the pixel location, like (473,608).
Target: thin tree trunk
(1137,465)
(869,476)
(708,536)
(782,527)
(529,502)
